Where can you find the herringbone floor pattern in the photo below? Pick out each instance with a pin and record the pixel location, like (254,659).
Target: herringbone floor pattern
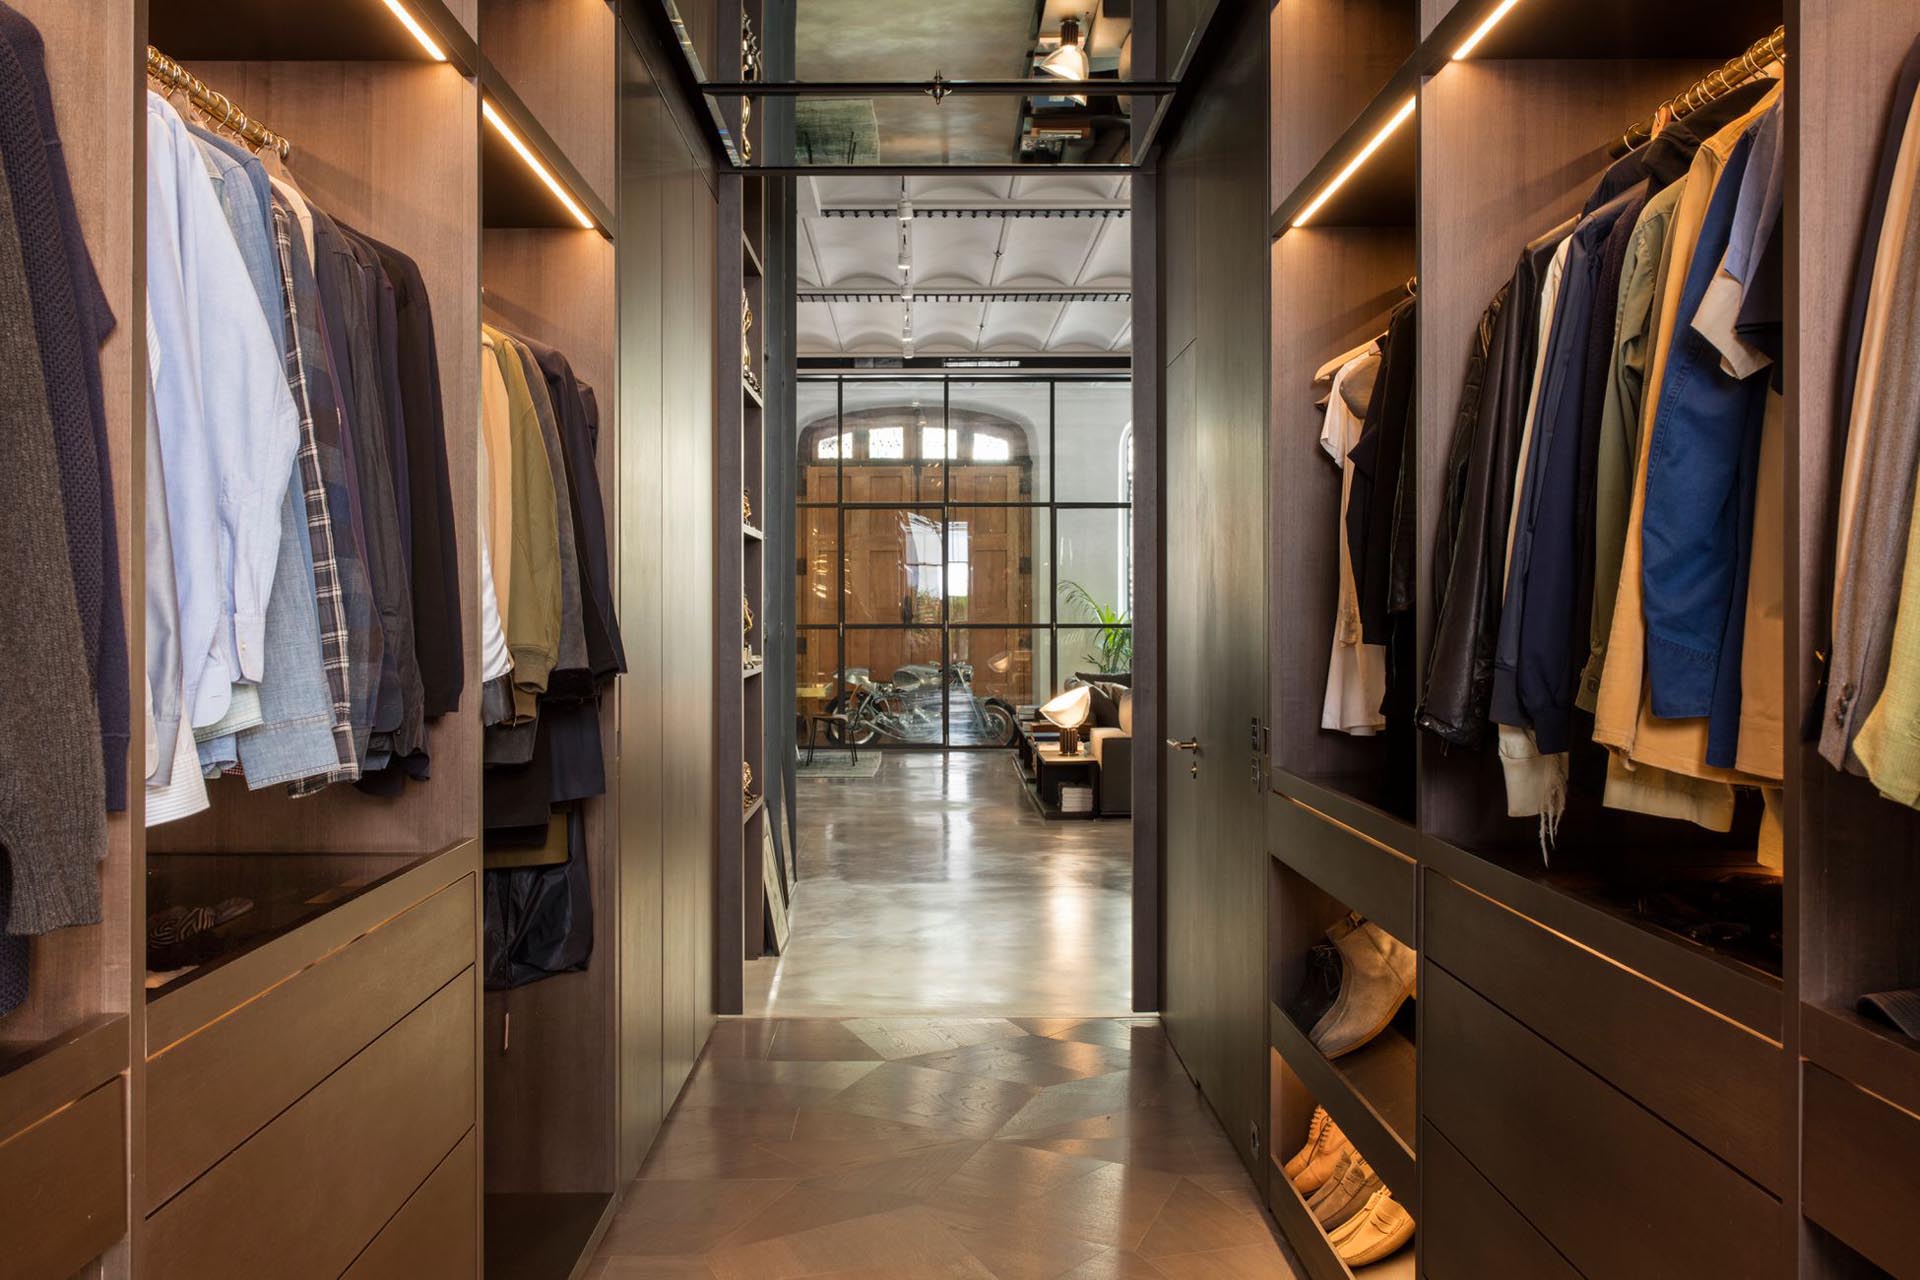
(961,1148)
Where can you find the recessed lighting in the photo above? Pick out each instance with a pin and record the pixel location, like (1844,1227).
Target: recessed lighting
(525,152)
(418,32)
(1353,166)
(1480,32)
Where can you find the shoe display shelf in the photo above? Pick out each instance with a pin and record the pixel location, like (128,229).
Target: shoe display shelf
(1580,1061)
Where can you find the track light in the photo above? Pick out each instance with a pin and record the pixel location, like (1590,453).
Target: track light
(1480,32)
(418,32)
(1353,166)
(1069,61)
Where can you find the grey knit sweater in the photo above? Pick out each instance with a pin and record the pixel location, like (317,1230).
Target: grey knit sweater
(53,824)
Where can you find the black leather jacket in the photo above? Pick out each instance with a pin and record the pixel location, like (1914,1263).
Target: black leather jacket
(1471,550)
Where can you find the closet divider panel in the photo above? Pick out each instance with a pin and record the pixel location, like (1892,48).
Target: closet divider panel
(650,152)
(388,148)
(550,1087)
(691,930)
(85,975)
(1859,854)
(559,57)
(1854,857)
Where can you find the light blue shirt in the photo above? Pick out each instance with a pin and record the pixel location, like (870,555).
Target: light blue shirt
(228,426)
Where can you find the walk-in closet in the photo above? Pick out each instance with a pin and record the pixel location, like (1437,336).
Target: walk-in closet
(334,1014)
(1633,1044)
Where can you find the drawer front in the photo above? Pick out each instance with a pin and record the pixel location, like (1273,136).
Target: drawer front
(436,1235)
(63,1187)
(1861,1179)
(211,1091)
(302,1197)
(1344,862)
(1725,1087)
(1469,1230)
(1614,1188)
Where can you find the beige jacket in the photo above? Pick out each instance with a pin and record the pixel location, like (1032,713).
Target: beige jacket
(1623,721)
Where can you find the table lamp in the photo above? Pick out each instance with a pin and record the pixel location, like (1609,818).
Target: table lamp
(1067,713)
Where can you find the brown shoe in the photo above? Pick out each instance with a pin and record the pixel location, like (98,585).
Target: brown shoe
(1316,1134)
(1376,978)
(1379,1231)
(1322,1168)
(1342,1166)
(1341,1200)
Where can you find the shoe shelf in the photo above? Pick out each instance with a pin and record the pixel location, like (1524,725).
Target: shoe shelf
(1316,1252)
(1370,1093)
(1349,849)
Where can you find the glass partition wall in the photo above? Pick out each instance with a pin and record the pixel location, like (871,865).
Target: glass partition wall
(963,549)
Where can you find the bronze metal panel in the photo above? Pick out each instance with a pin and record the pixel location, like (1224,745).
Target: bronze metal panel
(208,1093)
(1714,1080)
(305,1195)
(63,1186)
(435,1234)
(1614,1188)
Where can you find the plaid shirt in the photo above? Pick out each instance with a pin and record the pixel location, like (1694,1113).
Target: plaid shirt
(329,596)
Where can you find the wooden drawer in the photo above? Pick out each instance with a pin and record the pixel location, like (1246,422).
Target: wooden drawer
(63,1187)
(1611,1186)
(214,1089)
(1861,1173)
(435,1236)
(302,1197)
(1468,1229)
(1720,1084)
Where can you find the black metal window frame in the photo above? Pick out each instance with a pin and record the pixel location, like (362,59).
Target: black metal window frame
(1053,627)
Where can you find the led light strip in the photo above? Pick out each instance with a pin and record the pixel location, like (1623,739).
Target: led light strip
(540,170)
(418,32)
(1480,32)
(1353,166)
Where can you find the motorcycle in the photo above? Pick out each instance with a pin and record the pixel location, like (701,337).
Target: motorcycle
(907,707)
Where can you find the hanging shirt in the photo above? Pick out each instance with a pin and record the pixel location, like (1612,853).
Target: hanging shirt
(1356,671)
(228,428)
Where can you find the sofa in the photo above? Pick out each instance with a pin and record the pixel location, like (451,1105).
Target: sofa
(1110,735)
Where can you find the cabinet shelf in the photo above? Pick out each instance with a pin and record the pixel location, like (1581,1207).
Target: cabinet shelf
(1370,1093)
(750,258)
(753,396)
(752,534)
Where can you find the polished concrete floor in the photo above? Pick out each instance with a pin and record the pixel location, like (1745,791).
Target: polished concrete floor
(957,1148)
(936,888)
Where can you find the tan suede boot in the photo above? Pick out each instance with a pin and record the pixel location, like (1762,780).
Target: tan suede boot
(1316,1134)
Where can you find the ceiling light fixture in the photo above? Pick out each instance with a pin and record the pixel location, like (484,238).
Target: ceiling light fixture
(1353,166)
(1480,32)
(1069,61)
(494,118)
(418,32)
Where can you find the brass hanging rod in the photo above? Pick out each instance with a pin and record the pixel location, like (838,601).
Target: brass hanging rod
(217,108)
(1759,56)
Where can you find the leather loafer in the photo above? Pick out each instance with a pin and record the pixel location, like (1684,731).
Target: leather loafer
(1380,1230)
(1376,978)
(1316,1134)
(1341,1168)
(1340,1201)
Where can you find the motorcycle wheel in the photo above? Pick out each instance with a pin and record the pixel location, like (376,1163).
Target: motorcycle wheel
(838,736)
(999,717)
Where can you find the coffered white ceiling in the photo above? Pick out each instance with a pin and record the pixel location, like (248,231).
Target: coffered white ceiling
(1022,265)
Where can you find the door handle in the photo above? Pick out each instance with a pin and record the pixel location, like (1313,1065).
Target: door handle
(1190,744)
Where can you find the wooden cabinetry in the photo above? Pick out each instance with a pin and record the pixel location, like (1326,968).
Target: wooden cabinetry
(333,1093)
(1595,1094)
